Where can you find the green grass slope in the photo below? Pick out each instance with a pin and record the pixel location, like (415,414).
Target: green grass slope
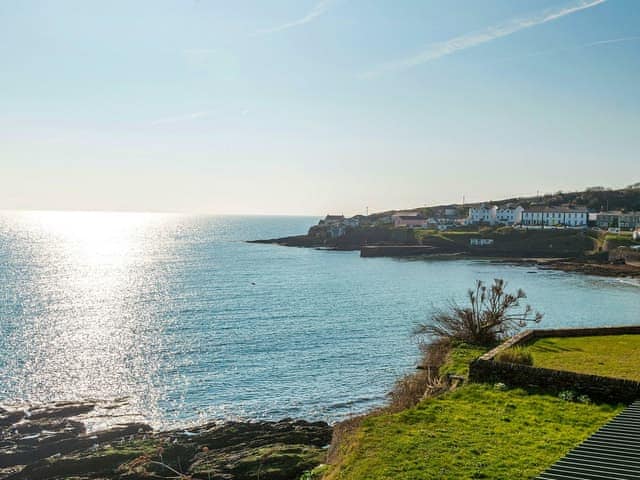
(609,356)
(475,432)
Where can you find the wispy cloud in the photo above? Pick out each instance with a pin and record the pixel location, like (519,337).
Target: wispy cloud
(612,40)
(473,39)
(180,118)
(551,51)
(319,9)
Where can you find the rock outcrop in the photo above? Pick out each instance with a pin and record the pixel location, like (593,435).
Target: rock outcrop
(52,442)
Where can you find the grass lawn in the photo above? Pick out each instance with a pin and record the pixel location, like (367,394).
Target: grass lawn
(474,432)
(610,356)
(459,359)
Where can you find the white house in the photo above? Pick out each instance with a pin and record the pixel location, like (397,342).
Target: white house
(552,216)
(636,235)
(622,220)
(509,214)
(483,214)
(480,242)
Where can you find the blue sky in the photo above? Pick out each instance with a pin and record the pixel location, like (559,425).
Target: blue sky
(312,106)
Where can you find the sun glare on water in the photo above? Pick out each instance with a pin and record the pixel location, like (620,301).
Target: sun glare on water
(84,331)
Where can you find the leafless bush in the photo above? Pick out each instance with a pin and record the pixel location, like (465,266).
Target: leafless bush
(492,314)
(425,382)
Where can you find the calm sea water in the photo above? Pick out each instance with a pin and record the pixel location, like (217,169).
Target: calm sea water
(188,322)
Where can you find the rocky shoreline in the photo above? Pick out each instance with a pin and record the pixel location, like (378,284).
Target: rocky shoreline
(584,267)
(576,265)
(52,441)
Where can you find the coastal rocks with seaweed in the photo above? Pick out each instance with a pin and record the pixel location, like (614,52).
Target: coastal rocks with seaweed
(53,442)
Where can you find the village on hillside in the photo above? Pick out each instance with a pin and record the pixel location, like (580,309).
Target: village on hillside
(449,218)
(595,231)
(559,211)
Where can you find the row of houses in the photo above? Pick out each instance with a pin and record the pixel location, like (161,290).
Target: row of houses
(551,216)
(621,220)
(533,216)
(504,215)
(417,220)
(536,216)
(337,224)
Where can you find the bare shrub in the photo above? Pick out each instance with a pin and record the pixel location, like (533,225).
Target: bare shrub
(492,315)
(423,383)
(435,353)
(409,390)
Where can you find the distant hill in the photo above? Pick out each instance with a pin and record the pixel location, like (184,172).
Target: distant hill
(594,198)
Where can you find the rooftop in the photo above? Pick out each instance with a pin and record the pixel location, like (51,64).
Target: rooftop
(557,209)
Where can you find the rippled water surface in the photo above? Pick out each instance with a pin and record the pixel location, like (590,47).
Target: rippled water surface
(187,321)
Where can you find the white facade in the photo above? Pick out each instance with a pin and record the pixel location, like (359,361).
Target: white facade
(491,214)
(555,216)
(509,215)
(483,214)
(622,220)
(480,242)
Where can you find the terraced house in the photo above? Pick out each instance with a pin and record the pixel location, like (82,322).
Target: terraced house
(483,214)
(555,216)
(509,214)
(621,220)
(491,214)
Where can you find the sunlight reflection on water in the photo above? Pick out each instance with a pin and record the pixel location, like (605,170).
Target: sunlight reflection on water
(80,343)
(180,316)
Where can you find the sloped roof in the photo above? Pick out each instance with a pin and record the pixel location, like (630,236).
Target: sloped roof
(556,209)
(613,452)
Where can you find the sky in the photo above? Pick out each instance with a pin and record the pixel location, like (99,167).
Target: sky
(313,106)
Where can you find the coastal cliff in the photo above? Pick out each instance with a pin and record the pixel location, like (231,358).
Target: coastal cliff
(351,238)
(52,442)
(573,250)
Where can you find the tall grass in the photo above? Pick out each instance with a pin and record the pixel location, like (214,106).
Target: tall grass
(519,355)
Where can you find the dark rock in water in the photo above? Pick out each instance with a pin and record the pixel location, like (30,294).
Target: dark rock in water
(60,410)
(8,418)
(53,446)
(24,449)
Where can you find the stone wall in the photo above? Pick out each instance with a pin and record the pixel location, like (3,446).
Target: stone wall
(602,389)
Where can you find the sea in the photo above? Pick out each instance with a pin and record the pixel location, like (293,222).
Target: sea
(184,321)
